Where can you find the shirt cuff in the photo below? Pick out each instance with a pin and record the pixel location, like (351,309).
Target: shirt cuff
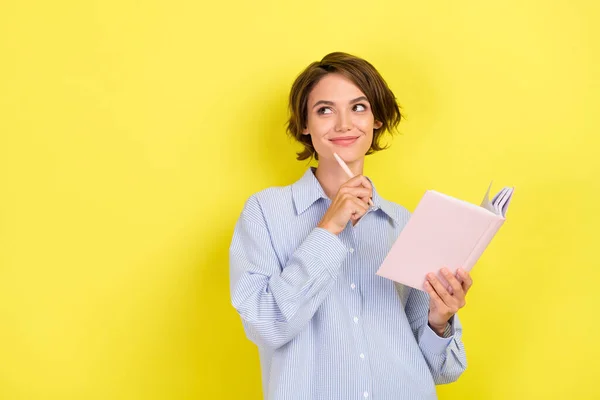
(435,344)
(326,247)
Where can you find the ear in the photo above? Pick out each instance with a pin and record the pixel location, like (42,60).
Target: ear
(305,131)
(377,124)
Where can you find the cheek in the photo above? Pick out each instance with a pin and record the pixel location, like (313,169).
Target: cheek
(320,126)
(365,124)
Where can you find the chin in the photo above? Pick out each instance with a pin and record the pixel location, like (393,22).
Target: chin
(349,154)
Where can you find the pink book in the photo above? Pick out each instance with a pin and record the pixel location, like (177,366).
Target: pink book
(444,232)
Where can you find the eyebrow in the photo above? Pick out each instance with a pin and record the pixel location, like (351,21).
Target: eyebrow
(330,103)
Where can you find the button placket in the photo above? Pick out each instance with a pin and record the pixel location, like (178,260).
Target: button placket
(355,283)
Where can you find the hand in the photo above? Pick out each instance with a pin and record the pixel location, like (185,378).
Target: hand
(445,302)
(350,203)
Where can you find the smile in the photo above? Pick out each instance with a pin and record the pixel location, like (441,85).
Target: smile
(344,141)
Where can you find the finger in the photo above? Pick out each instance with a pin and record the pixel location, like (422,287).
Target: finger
(365,197)
(455,285)
(466,279)
(440,289)
(433,296)
(356,191)
(353,196)
(364,190)
(360,181)
(357,181)
(365,182)
(360,207)
(354,207)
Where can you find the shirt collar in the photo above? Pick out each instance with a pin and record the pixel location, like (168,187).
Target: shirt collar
(307,190)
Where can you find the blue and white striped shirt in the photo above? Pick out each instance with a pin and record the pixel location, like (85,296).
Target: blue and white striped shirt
(327,327)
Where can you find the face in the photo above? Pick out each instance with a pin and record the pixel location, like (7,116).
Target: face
(340,119)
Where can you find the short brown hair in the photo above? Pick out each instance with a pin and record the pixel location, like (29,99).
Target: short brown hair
(362,74)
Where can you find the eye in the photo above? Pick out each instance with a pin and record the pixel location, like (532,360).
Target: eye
(324,110)
(360,107)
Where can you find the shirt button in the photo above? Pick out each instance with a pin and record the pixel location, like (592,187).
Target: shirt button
(362,356)
(353,286)
(351,250)
(366,394)
(356,320)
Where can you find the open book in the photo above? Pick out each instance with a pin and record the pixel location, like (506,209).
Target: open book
(444,232)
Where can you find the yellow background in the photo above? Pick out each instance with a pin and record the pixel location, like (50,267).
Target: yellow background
(131,133)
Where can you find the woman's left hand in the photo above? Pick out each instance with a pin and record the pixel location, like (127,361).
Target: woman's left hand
(445,302)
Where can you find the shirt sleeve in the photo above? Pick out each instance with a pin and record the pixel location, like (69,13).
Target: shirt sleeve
(275,302)
(445,355)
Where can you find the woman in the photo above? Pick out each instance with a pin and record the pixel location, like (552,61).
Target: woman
(303,260)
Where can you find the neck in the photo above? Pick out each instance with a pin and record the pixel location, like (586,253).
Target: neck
(331,176)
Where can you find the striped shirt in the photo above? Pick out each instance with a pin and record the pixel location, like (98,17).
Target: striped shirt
(326,326)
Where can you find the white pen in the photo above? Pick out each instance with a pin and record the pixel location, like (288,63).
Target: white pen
(348,172)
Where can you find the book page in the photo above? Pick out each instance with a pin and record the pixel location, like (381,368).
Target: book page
(486,200)
(499,204)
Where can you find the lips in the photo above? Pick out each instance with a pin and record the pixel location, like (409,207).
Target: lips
(344,140)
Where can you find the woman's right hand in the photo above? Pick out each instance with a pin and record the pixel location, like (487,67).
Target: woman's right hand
(350,204)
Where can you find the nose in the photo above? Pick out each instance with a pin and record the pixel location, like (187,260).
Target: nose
(343,123)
